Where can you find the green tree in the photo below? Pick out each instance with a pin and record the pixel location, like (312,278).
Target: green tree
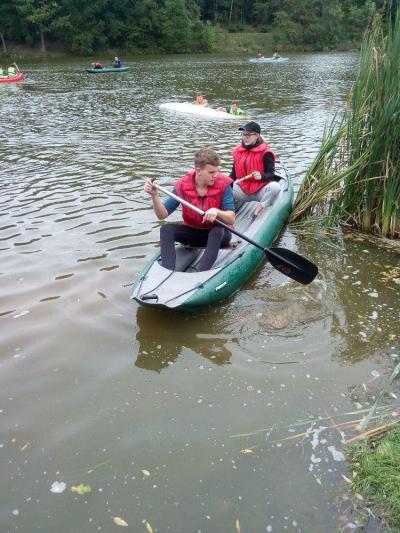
(9,26)
(358,19)
(43,16)
(144,25)
(265,12)
(176,27)
(285,30)
(85,26)
(87,31)
(326,31)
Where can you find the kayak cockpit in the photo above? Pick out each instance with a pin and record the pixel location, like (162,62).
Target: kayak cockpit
(171,288)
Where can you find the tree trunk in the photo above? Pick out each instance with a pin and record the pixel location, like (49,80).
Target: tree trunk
(231,11)
(42,43)
(3,43)
(215,10)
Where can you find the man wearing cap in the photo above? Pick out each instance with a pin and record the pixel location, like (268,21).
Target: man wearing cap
(254,156)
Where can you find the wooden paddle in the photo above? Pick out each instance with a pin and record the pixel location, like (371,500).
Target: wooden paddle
(289,263)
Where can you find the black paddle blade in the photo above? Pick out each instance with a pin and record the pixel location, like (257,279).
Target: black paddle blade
(292,265)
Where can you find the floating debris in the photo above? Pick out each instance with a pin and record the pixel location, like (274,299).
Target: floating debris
(81,489)
(58,487)
(337,456)
(120,521)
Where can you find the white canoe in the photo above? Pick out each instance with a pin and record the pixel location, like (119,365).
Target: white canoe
(200,111)
(268,59)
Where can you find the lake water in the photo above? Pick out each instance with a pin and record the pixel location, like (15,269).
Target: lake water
(177,423)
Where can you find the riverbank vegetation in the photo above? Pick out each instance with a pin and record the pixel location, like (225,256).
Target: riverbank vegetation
(355,181)
(376,467)
(355,178)
(179,26)
(375,461)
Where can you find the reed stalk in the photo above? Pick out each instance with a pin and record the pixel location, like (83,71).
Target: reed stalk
(355,177)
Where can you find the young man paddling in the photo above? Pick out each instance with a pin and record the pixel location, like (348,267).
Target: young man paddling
(208,189)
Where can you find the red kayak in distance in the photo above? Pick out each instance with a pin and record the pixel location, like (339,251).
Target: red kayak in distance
(13,79)
(18,76)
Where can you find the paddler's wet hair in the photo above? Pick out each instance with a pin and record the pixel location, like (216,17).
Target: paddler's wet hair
(206,156)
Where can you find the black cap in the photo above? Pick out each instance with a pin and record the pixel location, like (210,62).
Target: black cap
(251,127)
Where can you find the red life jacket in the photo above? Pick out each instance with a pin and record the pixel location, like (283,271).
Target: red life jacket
(186,188)
(246,161)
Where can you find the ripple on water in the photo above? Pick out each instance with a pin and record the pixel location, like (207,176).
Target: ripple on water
(91,383)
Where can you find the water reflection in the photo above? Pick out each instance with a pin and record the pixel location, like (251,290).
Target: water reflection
(163,336)
(367,314)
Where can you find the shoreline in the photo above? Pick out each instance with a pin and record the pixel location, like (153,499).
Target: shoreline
(234,43)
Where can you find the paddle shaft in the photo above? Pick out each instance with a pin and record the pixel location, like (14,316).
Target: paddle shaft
(202,213)
(289,263)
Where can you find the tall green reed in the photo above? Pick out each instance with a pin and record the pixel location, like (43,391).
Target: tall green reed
(355,177)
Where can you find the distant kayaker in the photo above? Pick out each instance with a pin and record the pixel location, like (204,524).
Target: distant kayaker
(259,55)
(275,55)
(208,189)
(254,156)
(1,72)
(200,100)
(11,70)
(117,63)
(233,109)
(97,65)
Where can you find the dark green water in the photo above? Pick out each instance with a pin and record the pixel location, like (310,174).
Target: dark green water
(176,421)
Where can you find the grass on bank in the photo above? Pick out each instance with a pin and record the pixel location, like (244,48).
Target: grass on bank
(375,460)
(355,178)
(376,467)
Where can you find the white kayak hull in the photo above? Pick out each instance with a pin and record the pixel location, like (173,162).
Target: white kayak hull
(200,111)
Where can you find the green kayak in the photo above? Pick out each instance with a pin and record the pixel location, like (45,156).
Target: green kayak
(104,70)
(186,289)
